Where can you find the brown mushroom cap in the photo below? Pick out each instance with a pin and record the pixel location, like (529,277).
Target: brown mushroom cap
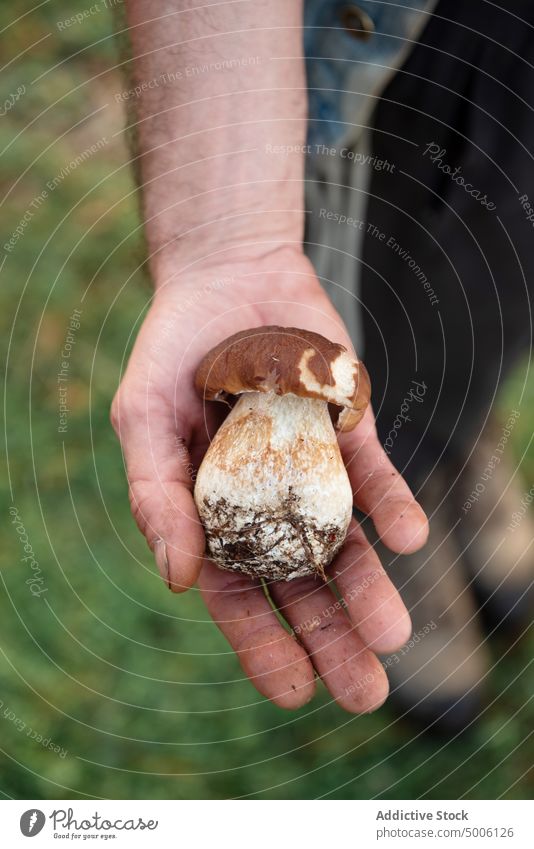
(283,360)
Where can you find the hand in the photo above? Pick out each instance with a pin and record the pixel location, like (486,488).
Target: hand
(164,429)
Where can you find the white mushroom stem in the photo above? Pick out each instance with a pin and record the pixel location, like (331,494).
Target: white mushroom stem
(272,492)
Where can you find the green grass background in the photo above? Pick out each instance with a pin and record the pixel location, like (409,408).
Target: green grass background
(135,684)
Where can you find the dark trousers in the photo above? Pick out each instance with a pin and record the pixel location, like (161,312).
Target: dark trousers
(448,267)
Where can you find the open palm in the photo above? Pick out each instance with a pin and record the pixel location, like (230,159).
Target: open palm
(164,429)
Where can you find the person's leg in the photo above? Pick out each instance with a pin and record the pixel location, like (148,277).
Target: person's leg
(447,281)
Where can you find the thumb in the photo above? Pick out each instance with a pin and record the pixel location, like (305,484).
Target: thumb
(160,485)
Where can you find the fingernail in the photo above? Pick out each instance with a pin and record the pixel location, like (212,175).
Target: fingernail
(162,562)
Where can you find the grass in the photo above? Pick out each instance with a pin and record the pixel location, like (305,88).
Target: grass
(137,687)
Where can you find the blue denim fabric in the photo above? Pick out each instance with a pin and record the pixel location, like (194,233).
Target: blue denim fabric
(345,73)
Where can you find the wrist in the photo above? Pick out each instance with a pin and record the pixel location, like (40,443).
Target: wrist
(181,266)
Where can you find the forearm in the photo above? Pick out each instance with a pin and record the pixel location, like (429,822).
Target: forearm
(221,88)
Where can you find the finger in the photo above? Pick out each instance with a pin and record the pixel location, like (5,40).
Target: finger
(351,672)
(276,664)
(160,487)
(380,491)
(373,604)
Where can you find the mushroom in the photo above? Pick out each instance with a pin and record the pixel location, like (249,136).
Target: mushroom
(272,491)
